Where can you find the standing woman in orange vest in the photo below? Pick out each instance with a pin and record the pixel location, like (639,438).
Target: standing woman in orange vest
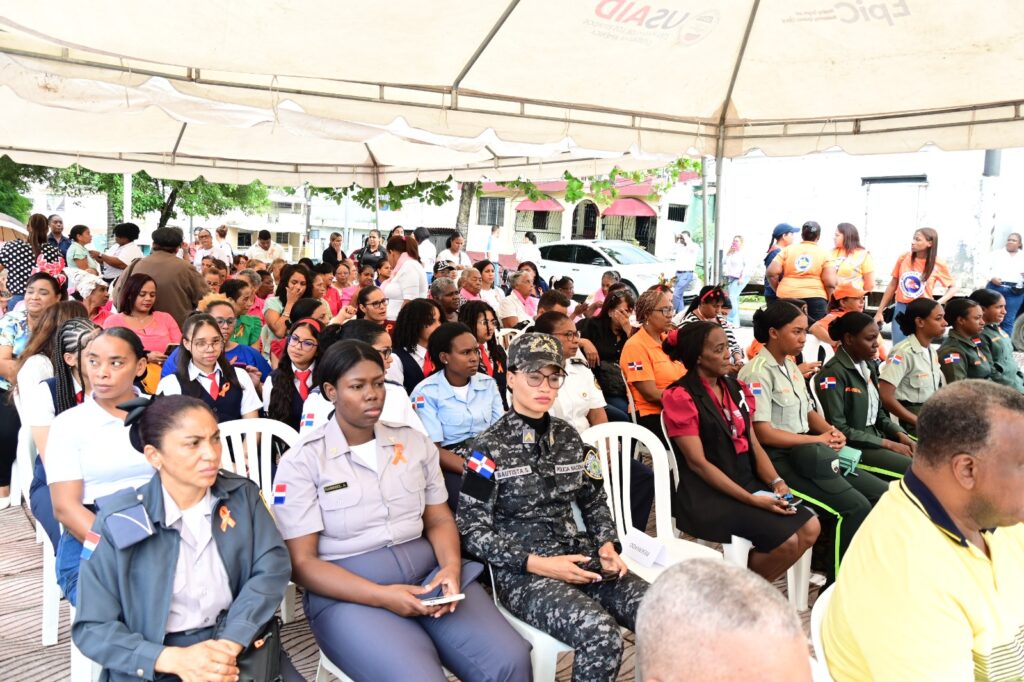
(915,275)
(802,271)
(852,261)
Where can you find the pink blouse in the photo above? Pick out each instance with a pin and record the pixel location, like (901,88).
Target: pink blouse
(681,417)
(162,331)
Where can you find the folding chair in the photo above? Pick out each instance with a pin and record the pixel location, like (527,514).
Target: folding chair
(737,551)
(614,443)
(505,336)
(251,443)
(821,673)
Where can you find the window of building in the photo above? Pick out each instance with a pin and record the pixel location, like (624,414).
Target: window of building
(491,211)
(244,240)
(281,238)
(677,212)
(540,220)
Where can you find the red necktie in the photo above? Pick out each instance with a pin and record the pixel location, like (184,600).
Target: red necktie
(428,366)
(214,387)
(302,376)
(484,358)
(79,397)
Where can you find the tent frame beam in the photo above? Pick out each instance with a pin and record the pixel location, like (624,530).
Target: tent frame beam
(480,50)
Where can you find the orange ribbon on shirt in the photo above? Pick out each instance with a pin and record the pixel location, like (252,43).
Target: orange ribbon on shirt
(399,454)
(225,520)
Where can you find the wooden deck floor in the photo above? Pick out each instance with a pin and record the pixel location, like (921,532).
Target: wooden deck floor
(24,659)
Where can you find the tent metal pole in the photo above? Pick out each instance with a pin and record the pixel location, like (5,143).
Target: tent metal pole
(720,145)
(704,215)
(480,50)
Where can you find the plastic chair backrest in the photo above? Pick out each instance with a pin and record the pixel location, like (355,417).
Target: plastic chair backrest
(505,336)
(818,612)
(673,464)
(251,441)
(819,407)
(630,400)
(614,441)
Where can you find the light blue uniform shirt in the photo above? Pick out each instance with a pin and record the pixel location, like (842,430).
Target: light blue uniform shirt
(447,418)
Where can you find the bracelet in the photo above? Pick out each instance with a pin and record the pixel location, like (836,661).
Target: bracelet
(776,481)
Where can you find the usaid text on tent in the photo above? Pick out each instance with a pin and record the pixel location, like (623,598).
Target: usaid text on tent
(851,13)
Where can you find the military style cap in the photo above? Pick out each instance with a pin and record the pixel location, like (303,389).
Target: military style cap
(533,351)
(442,265)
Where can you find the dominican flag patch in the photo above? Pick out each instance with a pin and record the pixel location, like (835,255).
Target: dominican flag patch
(952,359)
(636,366)
(827,383)
(481,464)
(419,402)
(897,360)
(976,340)
(92,539)
(307,419)
(756,388)
(280,491)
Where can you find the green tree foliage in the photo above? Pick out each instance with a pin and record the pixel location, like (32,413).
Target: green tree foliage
(15,179)
(392,196)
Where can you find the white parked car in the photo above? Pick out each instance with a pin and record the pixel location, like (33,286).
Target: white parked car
(586,260)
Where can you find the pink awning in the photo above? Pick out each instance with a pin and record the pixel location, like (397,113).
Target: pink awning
(547,204)
(633,207)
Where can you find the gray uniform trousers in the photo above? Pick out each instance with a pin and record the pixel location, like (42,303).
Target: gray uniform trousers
(375,645)
(586,617)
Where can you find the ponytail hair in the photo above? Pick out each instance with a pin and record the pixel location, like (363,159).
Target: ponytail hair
(919,308)
(149,419)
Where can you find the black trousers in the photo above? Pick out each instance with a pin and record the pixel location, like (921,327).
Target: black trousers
(10,424)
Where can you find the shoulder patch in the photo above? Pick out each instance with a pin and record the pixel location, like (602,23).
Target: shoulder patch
(592,465)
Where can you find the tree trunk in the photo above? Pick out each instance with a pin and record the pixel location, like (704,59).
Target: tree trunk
(168,210)
(465,204)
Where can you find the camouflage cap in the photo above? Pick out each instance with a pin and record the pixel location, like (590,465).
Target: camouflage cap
(533,351)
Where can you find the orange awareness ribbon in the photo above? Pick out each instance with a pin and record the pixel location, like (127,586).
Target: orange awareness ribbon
(225,520)
(399,454)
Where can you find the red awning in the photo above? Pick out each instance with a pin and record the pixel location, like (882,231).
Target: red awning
(633,207)
(547,204)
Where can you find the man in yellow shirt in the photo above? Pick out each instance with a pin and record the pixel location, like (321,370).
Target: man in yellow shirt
(932,587)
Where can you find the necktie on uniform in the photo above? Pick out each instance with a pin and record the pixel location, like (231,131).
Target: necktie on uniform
(214,386)
(303,376)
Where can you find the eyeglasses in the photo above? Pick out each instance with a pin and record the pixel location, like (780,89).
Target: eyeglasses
(226,321)
(207,345)
(384,352)
(489,322)
(307,344)
(572,336)
(535,379)
(666,311)
(376,304)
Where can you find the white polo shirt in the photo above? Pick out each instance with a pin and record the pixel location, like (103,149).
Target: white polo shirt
(579,395)
(409,281)
(89,444)
(251,401)
(396,372)
(397,410)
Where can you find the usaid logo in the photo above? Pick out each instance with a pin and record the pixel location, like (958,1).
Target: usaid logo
(689,27)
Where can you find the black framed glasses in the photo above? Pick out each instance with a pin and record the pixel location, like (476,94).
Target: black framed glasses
(535,379)
(384,353)
(572,336)
(667,311)
(306,344)
(376,304)
(226,321)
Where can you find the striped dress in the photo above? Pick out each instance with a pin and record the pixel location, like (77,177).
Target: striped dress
(730,333)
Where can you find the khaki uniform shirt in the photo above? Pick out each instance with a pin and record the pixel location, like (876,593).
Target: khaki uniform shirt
(913,369)
(779,392)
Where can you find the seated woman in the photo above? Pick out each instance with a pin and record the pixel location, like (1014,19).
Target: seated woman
(520,305)
(516,512)
(962,355)
(647,369)
(294,284)
(88,453)
(157,330)
(181,600)
(490,291)
(727,483)
(847,297)
(802,445)
(239,355)
(847,387)
(707,306)
(95,295)
(289,385)
(912,373)
(204,372)
(996,342)
(456,402)
(397,411)
(362,509)
(371,304)
(415,323)
(481,318)
(247,327)
(608,331)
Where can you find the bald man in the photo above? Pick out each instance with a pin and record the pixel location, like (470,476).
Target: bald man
(705,620)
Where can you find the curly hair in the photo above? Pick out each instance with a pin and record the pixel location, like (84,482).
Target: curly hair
(414,317)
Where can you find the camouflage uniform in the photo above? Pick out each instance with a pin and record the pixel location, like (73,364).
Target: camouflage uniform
(516,500)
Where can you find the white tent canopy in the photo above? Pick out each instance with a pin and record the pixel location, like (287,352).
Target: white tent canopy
(334,92)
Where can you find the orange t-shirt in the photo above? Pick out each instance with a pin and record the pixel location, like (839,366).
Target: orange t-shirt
(801,271)
(642,359)
(852,267)
(909,275)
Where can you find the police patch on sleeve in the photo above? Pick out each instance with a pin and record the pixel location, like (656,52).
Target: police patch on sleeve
(592,465)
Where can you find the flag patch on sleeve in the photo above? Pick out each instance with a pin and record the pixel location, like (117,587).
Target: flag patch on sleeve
(756,388)
(280,493)
(636,366)
(308,419)
(419,402)
(92,539)
(897,360)
(952,359)
(481,464)
(827,383)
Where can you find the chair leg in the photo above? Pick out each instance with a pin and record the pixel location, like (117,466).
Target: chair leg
(51,593)
(798,581)
(737,551)
(288,604)
(321,674)
(545,664)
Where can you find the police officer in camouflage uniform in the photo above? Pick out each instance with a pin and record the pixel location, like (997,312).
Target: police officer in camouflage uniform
(516,511)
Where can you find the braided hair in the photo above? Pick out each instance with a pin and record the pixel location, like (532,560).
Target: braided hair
(646,304)
(71,337)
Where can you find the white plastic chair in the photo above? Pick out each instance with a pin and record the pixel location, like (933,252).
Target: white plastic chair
(505,336)
(51,591)
(251,442)
(83,669)
(737,551)
(325,666)
(613,441)
(21,473)
(821,673)
(630,400)
(815,395)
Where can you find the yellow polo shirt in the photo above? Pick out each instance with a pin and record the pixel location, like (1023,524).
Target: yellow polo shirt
(915,601)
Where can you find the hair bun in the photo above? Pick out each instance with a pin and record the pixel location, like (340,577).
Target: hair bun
(136,407)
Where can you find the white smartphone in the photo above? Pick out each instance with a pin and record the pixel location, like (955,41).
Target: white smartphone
(447,599)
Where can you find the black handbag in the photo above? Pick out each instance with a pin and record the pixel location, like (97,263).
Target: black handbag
(261,660)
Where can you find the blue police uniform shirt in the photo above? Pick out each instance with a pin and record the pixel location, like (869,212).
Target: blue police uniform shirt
(239,356)
(450,419)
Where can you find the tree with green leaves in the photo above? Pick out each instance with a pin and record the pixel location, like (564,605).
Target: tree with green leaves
(15,179)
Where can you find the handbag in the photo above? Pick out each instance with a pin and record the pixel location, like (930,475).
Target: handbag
(261,660)
(609,378)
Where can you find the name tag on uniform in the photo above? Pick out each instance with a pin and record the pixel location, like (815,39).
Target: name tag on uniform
(335,486)
(502,474)
(569,468)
